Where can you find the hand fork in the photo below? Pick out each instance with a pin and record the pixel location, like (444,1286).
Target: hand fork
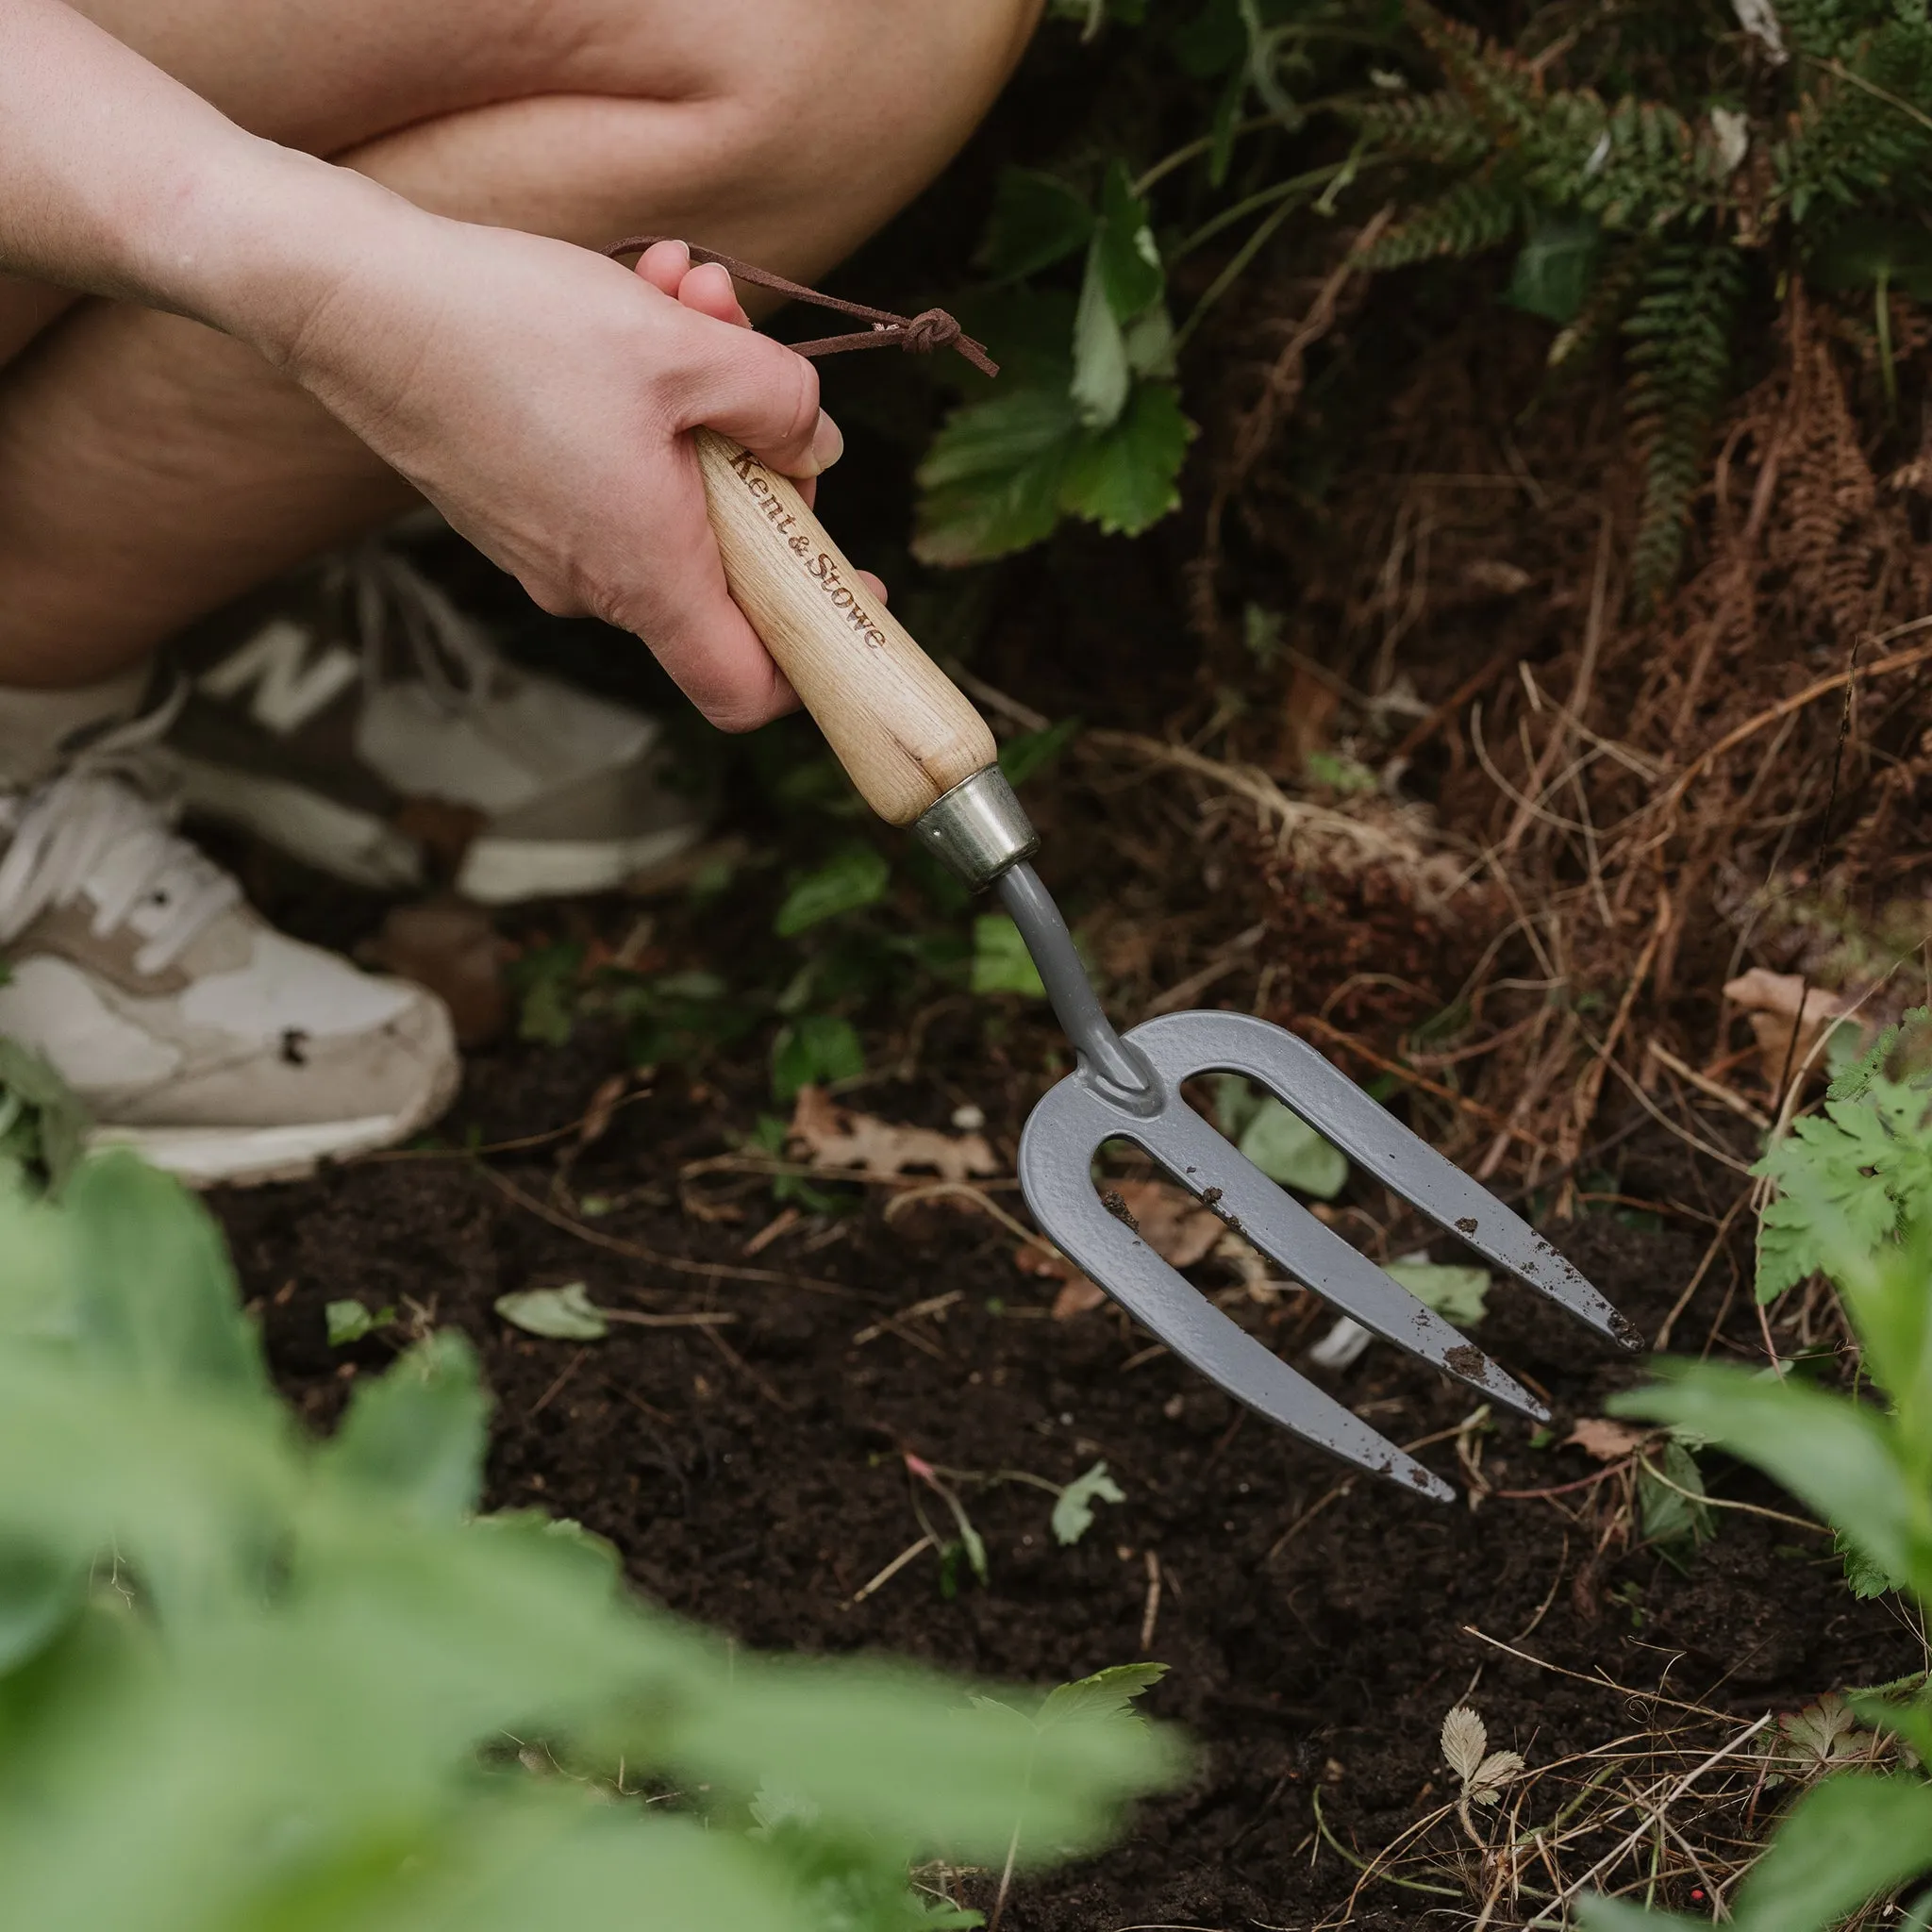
(922,756)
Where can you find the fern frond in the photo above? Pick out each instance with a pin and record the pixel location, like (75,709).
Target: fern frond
(1609,301)
(1680,332)
(1464,220)
(1824,27)
(1437,128)
(1863,127)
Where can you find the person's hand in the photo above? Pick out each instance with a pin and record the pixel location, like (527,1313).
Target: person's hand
(539,396)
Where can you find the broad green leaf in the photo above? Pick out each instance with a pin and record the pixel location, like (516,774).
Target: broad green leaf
(1828,1452)
(1236,1102)
(156,1299)
(1458,1294)
(1869,249)
(1001,963)
(1556,266)
(1842,1843)
(992,482)
(558,1314)
(815,1050)
(1031,752)
(1036,220)
(1072,1512)
(1127,478)
(1287,1149)
(856,876)
(416,1433)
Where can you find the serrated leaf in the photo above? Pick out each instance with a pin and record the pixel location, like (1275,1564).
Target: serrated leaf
(1036,220)
(558,1314)
(1129,262)
(1465,1742)
(1106,1696)
(992,480)
(1500,1768)
(1669,1495)
(1073,1511)
(1127,477)
(416,1433)
(854,877)
(1287,1149)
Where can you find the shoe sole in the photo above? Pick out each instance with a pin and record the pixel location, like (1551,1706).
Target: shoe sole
(507,871)
(256,1156)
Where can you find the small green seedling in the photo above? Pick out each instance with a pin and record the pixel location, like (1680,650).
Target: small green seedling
(558,1314)
(350,1321)
(1073,1511)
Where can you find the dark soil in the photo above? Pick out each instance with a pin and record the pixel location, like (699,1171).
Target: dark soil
(760,1485)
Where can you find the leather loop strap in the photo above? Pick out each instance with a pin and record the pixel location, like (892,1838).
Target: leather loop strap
(920,334)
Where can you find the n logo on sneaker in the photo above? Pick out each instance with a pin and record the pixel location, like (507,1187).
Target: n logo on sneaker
(289,686)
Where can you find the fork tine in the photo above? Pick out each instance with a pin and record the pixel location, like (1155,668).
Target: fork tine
(1184,1045)
(1055,1150)
(1256,1209)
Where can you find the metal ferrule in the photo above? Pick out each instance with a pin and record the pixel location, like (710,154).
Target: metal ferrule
(979,829)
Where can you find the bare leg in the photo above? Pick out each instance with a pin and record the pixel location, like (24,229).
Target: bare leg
(151,468)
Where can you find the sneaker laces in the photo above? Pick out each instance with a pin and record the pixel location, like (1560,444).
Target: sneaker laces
(99,831)
(455,661)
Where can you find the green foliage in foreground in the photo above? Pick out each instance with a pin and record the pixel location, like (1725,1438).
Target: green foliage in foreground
(250,1682)
(1857,1191)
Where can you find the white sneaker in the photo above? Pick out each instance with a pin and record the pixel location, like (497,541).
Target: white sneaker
(382,730)
(191,1029)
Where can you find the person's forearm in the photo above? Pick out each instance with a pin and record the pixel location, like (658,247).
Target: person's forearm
(117,180)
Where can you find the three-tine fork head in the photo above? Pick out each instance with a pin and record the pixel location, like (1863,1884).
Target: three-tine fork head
(1069,1125)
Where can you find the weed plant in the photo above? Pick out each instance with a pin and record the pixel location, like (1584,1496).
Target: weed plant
(253,1682)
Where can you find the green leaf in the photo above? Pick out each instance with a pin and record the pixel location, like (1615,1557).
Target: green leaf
(854,877)
(1868,249)
(1103,1698)
(41,1589)
(1001,963)
(1103,375)
(1846,1841)
(992,482)
(1036,220)
(1127,478)
(1556,266)
(350,1321)
(1030,752)
(1864,1578)
(1073,1513)
(1287,1149)
(48,1125)
(418,1433)
(1129,262)
(156,1299)
(558,1314)
(1669,1495)
(547,983)
(1828,1451)
(1458,1294)
(816,1050)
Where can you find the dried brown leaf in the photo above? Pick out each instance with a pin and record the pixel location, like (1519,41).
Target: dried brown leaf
(834,1137)
(1465,1742)
(1608,1441)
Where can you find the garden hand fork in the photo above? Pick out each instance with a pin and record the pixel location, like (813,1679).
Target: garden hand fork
(922,756)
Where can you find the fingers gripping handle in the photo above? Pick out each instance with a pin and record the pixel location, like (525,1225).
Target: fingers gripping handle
(905,734)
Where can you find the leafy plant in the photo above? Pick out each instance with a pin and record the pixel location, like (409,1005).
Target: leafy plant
(250,1682)
(1072,1509)
(1638,191)
(1856,1205)
(43,1126)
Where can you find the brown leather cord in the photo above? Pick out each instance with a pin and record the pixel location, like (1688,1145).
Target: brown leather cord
(921,334)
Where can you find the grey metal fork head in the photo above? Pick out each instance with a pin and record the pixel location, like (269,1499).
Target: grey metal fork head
(1129,1088)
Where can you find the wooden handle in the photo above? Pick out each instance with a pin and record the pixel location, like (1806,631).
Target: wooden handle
(897,723)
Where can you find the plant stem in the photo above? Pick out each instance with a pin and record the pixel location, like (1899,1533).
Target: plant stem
(999,1903)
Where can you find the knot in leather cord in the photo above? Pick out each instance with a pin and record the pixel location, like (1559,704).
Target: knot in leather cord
(923,334)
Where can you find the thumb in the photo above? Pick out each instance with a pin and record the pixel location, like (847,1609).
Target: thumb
(761,395)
